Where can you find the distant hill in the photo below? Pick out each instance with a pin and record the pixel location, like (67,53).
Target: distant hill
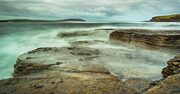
(81,20)
(30,20)
(166,18)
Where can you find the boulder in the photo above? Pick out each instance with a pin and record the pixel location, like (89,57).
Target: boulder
(173,67)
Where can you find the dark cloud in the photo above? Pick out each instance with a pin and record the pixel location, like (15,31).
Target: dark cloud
(94,10)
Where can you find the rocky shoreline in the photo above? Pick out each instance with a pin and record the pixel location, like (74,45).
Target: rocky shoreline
(67,70)
(148,38)
(171,74)
(34,74)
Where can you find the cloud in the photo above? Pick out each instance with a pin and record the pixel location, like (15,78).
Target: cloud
(94,10)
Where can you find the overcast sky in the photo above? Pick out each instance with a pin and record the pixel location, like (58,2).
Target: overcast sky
(91,10)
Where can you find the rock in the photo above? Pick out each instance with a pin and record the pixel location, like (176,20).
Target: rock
(85,43)
(74,34)
(66,83)
(141,85)
(42,71)
(44,58)
(108,57)
(158,38)
(27,68)
(173,67)
(54,54)
(167,18)
(171,85)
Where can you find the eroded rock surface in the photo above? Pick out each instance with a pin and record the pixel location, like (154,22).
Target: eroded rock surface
(85,43)
(140,85)
(160,38)
(173,67)
(66,70)
(171,82)
(74,34)
(110,58)
(42,71)
(171,85)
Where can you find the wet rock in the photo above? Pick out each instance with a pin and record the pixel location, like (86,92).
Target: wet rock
(86,52)
(160,38)
(154,83)
(85,43)
(67,83)
(74,34)
(167,18)
(47,74)
(171,85)
(28,68)
(141,85)
(173,67)
(41,49)
(54,55)
(110,58)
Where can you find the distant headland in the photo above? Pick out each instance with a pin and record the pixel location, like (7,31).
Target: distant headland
(31,20)
(166,18)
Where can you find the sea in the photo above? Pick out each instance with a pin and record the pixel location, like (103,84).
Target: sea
(17,38)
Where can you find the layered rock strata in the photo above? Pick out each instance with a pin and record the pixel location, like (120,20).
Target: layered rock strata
(159,38)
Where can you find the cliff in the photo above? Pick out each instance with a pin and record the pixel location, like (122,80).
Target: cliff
(167,18)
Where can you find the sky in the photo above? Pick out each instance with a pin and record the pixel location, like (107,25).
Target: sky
(90,10)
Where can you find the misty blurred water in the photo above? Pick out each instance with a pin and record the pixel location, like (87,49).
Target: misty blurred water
(18,38)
